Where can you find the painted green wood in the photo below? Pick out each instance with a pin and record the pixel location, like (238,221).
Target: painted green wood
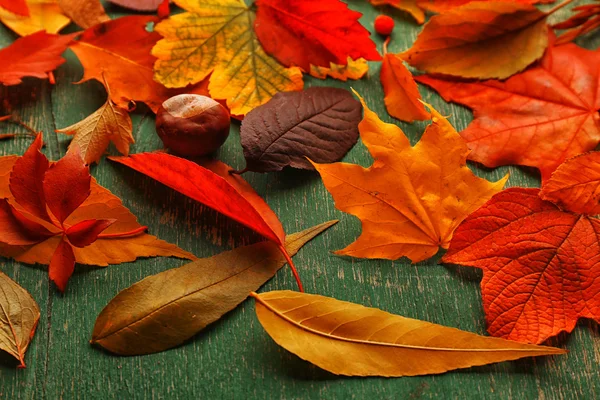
(235,358)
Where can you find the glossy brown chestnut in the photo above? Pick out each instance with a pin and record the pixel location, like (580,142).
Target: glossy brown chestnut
(192,125)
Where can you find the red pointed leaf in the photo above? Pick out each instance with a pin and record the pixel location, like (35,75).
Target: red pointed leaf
(26,180)
(18,7)
(34,55)
(17,230)
(318,32)
(538,118)
(540,265)
(67,184)
(203,186)
(86,232)
(62,265)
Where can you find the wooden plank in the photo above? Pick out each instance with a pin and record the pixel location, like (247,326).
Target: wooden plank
(235,358)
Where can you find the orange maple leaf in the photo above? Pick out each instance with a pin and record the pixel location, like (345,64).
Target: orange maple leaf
(411,199)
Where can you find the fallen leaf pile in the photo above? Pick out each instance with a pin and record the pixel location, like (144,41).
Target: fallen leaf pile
(535,102)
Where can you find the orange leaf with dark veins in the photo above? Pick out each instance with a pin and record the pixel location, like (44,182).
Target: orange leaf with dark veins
(86,223)
(318,32)
(538,118)
(540,264)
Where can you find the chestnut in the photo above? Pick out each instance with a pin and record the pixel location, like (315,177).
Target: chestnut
(192,125)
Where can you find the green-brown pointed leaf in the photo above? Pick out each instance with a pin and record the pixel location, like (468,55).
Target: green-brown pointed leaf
(166,309)
(19,316)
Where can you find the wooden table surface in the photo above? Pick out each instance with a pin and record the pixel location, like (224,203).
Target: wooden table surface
(234,358)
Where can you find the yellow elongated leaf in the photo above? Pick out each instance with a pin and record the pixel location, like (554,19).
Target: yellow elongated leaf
(349,339)
(355,69)
(218,36)
(93,134)
(166,309)
(43,15)
(19,316)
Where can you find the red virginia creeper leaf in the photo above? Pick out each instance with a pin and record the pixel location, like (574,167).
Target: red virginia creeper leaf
(63,198)
(319,32)
(86,232)
(34,55)
(62,265)
(17,230)
(18,7)
(26,180)
(538,118)
(540,265)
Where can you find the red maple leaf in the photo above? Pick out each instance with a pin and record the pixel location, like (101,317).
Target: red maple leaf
(34,55)
(541,265)
(538,118)
(318,32)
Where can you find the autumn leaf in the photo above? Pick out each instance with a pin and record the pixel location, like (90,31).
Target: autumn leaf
(411,199)
(538,118)
(214,186)
(349,339)
(217,36)
(87,224)
(109,123)
(19,316)
(540,264)
(304,33)
(44,15)
(168,308)
(402,98)
(118,52)
(412,7)
(85,13)
(502,39)
(15,6)
(138,5)
(318,123)
(34,55)
(355,69)
(586,19)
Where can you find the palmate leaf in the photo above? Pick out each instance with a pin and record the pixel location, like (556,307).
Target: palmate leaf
(218,36)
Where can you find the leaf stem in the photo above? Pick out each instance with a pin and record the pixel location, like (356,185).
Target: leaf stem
(385,45)
(292,266)
(134,232)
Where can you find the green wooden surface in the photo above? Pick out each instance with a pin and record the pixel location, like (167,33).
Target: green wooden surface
(235,358)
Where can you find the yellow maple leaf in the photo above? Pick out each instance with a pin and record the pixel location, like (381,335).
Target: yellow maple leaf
(93,134)
(218,36)
(411,199)
(43,15)
(355,69)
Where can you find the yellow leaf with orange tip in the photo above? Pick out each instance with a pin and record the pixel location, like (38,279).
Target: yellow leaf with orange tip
(92,135)
(355,69)
(100,204)
(43,15)
(412,199)
(349,339)
(218,36)
(482,39)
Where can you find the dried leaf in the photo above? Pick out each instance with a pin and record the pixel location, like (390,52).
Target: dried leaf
(44,15)
(301,33)
(138,5)
(575,185)
(540,264)
(109,123)
(85,13)
(34,55)
(481,40)
(19,316)
(355,69)
(164,310)
(117,54)
(319,123)
(349,339)
(402,98)
(411,199)
(538,118)
(218,36)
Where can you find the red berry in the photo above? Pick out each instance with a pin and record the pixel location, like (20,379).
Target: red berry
(384,25)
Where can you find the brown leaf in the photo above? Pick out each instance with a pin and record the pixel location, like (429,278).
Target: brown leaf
(349,339)
(166,309)
(84,13)
(19,316)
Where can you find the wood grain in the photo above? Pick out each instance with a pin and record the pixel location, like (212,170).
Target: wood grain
(235,358)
